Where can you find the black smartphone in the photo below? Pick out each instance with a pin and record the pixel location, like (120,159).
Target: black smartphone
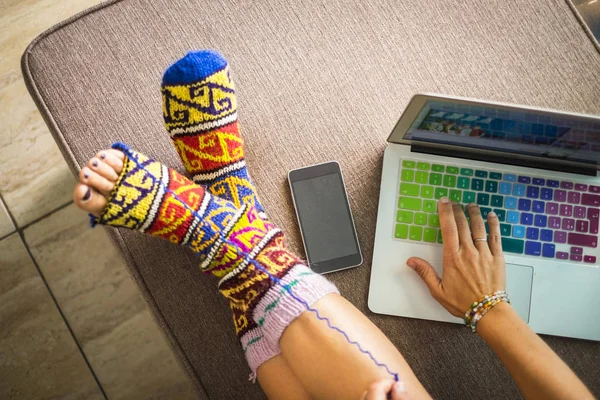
(325,218)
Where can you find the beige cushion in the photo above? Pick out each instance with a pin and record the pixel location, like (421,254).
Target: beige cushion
(318,82)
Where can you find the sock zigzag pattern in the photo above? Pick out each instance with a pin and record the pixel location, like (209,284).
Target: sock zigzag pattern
(200,113)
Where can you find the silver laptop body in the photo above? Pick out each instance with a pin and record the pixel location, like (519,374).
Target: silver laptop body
(546,165)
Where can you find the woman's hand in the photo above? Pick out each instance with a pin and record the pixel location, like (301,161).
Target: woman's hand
(471,268)
(386,389)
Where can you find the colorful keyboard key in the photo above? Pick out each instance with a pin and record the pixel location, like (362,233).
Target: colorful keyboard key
(495,175)
(518,231)
(504,188)
(537,206)
(427,192)
(581,187)
(566,210)
(505,229)
(561,255)
(575,257)
(466,171)
(401,231)
(546,194)
(455,195)
(429,235)
(580,239)
(518,190)
(560,196)
(510,203)
(421,177)
(405,217)
(560,237)
(589,259)
(415,232)
(511,245)
(491,186)
(423,166)
(533,192)
(579,212)
(409,189)
(526,219)
(524,204)
(407,175)
(409,203)
(501,213)
(524,179)
(554,222)
(449,181)
(574,197)
(440,192)
(429,206)
(477,184)
(468,197)
(513,217)
(433,220)
(420,218)
(533,248)
(435,179)
(540,220)
(497,201)
(566,185)
(548,250)
(532,233)
(437,168)
(538,181)
(408,164)
(552,183)
(552,208)
(481,174)
(451,170)
(483,199)
(463,183)
(510,177)
(484,212)
(546,235)
(592,200)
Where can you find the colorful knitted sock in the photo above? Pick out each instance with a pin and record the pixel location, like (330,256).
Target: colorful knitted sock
(200,113)
(267,286)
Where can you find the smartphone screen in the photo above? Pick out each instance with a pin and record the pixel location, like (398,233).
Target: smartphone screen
(325,218)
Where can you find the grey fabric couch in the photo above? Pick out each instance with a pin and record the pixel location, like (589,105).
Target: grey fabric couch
(317,81)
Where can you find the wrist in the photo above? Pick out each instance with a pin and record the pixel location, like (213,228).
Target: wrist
(494,319)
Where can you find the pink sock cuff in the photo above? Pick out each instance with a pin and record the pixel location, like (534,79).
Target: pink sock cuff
(257,350)
(278,308)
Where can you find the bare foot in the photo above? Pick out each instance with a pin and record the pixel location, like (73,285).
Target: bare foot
(97,180)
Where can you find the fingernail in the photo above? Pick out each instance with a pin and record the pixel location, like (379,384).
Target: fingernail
(411,264)
(87,195)
(445,200)
(491,214)
(399,387)
(85,174)
(103,155)
(95,163)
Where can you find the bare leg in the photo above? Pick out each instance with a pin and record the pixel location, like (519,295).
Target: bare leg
(279,382)
(331,368)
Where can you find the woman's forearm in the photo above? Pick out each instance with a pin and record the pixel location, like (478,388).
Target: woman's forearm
(536,369)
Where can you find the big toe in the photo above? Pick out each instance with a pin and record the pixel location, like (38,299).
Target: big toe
(89,200)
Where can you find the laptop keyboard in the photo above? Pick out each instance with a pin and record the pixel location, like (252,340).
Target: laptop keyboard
(538,217)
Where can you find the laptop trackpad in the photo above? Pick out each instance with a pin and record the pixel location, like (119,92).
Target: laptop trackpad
(519,279)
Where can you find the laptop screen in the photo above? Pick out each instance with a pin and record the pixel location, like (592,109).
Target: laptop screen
(508,129)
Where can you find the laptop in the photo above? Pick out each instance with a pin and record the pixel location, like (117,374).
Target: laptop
(536,169)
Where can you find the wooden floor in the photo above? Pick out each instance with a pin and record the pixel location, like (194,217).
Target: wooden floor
(72,323)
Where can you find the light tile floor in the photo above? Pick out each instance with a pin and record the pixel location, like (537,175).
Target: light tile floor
(72,322)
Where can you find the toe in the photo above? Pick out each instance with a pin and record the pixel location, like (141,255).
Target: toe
(96,181)
(89,200)
(103,169)
(113,158)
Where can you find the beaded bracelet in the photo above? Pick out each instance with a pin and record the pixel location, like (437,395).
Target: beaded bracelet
(479,308)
